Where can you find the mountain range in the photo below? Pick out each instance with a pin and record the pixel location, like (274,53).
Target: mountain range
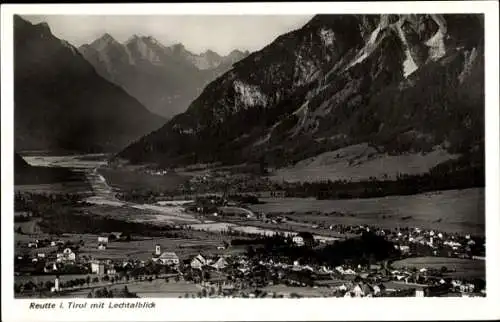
(61,103)
(164,79)
(392,84)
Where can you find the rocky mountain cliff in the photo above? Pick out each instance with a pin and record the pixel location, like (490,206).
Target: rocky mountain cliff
(399,83)
(164,79)
(61,103)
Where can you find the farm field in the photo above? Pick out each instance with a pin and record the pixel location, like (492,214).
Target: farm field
(142,213)
(452,210)
(461,267)
(303,291)
(126,179)
(160,288)
(83,161)
(28,227)
(72,187)
(143,249)
(44,278)
(155,289)
(296,226)
(393,285)
(167,213)
(223,226)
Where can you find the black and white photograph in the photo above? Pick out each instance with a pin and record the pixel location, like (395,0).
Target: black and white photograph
(248,156)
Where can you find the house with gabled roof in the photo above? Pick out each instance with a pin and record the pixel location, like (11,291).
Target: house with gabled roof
(198,262)
(221,263)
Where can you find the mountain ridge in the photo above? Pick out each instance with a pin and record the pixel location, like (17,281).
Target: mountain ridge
(165,79)
(401,83)
(62,103)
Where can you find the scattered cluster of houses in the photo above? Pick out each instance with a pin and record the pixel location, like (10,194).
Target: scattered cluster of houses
(40,243)
(197,262)
(407,239)
(439,242)
(55,261)
(102,267)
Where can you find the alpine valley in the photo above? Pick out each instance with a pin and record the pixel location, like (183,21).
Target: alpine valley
(343,159)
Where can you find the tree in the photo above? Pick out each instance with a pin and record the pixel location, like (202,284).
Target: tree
(49,284)
(95,280)
(479,284)
(250,252)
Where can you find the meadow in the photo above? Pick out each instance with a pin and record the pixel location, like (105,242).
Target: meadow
(155,289)
(451,210)
(457,267)
(123,179)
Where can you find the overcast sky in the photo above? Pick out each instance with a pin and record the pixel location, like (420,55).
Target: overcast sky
(198,33)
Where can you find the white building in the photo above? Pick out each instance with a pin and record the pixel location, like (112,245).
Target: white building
(167,258)
(55,288)
(221,263)
(298,240)
(97,268)
(102,239)
(66,256)
(50,267)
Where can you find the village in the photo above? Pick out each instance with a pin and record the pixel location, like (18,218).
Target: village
(262,272)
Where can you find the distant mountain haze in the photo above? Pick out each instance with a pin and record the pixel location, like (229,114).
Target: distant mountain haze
(400,83)
(61,103)
(164,79)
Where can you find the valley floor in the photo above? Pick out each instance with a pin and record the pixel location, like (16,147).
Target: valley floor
(186,233)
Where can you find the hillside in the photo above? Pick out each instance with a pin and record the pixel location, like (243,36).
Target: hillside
(164,79)
(400,84)
(61,103)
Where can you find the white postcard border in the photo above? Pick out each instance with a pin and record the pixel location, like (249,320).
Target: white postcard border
(271,309)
